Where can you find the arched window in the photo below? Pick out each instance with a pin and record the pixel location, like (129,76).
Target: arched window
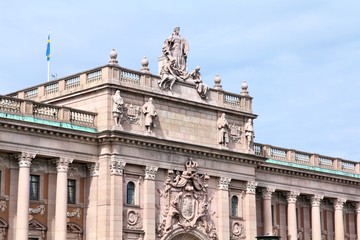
(130,193)
(234,206)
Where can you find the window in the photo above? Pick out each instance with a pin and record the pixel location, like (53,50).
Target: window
(234,206)
(34,187)
(71,191)
(130,193)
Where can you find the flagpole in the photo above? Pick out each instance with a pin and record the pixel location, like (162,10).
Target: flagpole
(48,73)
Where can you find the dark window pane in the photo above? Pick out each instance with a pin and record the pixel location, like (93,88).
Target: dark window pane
(71,191)
(34,187)
(130,193)
(234,206)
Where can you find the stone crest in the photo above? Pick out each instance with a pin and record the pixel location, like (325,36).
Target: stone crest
(185,203)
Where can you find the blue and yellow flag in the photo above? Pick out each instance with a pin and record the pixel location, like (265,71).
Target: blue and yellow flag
(48,48)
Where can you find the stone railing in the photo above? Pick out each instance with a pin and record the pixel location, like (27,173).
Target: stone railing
(46,111)
(110,74)
(306,159)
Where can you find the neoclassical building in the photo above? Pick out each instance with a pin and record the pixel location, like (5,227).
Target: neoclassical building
(114,153)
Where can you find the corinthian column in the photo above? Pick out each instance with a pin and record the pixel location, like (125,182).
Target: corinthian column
(116,197)
(315,217)
(149,202)
(223,208)
(292,224)
(358,220)
(339,221)
(22,213)
(266,194)
(250,210)
(61,197)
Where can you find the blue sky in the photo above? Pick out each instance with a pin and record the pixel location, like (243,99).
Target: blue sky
(301,59)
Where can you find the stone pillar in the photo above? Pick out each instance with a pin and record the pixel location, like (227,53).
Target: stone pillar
(250,210)
(266,194)
(91,216)
(339,218)
(149,202)
(358,221)
(61,198)
(22,214)
(116,198)
(292,224)
(223,210)
(315,217)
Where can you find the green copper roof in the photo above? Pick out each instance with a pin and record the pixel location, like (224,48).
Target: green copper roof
(32,119)
(313,168)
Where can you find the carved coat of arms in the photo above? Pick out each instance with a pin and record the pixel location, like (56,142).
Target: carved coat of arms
(185,203)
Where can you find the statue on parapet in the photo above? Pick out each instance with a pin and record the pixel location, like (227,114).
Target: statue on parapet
(175,51)
(249,135)
(200,86)
(224,129)
(118,109)
(150,114)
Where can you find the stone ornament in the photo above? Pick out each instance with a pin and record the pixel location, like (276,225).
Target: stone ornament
(316,200)
(185,203)
(251,187)
(74,213)
(113,58)
(235,133)
(150,114)
(117,167)
(25,159)
(238,231)
(224,183)
(62,164)
(249,135)
(38,210)
(118,109)
(200,86)
(266,193)
(133,219)
(3,206)
(93,169)
(292,196)
(150,172)
(223,131)
(339,203)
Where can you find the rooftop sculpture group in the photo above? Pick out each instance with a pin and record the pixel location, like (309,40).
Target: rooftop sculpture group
(175,52)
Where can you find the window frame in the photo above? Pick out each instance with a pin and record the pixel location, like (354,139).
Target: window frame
(74,188)
(36,183)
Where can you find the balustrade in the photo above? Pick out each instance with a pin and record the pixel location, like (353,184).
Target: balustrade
(10,105)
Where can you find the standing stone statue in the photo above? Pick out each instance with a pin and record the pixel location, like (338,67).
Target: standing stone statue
(200,86)
(249,134)
(224,130)
(176,47)
(118,108)
(149,112)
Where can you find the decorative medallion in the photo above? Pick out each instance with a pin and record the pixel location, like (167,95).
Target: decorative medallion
(237,231)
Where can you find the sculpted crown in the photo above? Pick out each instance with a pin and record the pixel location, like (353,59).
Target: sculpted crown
(191,165)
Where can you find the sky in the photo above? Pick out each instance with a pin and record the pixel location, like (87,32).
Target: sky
(301,59)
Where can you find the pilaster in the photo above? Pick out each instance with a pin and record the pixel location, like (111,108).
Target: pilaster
(91,216)
(250,210)
(223,211)
(149,202)
(358,220)
(116,197)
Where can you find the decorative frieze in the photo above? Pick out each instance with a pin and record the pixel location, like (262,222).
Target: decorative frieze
(25,159)
(150,172)
(251,187)
(38,210)
(224,183)
(117,167)
(77,170)
(93,169)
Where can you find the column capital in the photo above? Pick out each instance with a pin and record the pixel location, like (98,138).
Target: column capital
(93,169)
(292,196)
(316,200)
(117,167)
(357,209)
(251,187)
(224,183)
(150,172)
(266,193)
(24,159)
(339,203)
(62,164)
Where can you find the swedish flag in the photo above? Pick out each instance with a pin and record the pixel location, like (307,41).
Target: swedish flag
(48,48)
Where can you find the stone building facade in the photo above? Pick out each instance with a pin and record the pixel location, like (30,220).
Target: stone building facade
(90,156)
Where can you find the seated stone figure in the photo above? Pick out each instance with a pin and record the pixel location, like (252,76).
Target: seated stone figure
(200,86)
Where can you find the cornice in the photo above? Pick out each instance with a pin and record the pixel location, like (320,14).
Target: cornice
(163,145)
(308,174)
